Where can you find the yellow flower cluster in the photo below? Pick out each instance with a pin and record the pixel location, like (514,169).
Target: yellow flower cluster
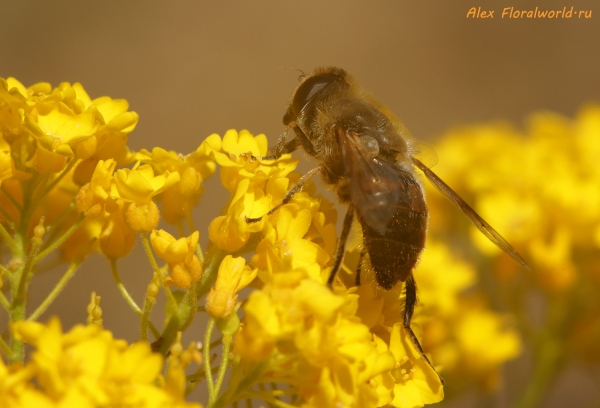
(87,367)
(58,146)
(539,188)
(295,329)
(464,336)
(63,185)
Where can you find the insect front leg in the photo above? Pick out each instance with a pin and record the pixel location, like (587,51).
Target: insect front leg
(341,247)
(410,291)
(283,147)
(288,196)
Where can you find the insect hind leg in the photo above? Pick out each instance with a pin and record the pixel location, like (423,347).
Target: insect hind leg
(341,247)
(410,290)
(363,252)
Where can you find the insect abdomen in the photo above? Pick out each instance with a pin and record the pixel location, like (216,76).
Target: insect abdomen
(395,251)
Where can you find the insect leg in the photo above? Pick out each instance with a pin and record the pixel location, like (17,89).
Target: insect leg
(359,266)
(303,140)
(283,147)
(410,291)
(288,196)
(339,252)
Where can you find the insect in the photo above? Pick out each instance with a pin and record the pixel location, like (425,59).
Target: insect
(368,156)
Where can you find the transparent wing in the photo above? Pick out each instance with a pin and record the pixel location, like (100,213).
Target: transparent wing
(372,182)
(479,222)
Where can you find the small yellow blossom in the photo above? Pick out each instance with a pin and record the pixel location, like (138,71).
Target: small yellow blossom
(117,237)
(93,196)
(256,186)
(5,166)
(138,186)
(415,382)
(193,169)
(233,276)
(180,255)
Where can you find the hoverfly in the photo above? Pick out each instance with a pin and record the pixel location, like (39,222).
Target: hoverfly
(368,156)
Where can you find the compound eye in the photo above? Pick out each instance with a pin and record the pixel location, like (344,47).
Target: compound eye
(309,88)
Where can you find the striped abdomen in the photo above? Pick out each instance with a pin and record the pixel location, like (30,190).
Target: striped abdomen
(395,251)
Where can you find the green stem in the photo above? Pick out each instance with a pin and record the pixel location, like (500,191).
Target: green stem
(12,199)
(270,399)
(4,301)
(548,363)
(5,348)
(238,386)
(149,254)
(55,292)
(148,305)
(171,298)
(195,378)
(12,244)
(188,216)
(199,253)
(21,283)
(127,296)
(193,306)
(122,289)
(156,268)
(61,240)
(59,220)
(49,187)
(224,362)
(210,269)
(207,372)
(9,219)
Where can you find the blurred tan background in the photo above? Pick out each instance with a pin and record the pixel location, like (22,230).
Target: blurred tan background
(192,68)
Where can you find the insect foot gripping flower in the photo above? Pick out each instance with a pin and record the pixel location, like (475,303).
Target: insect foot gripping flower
(86,367)
(461,333)
(233,276)
(180,255)
(256,187)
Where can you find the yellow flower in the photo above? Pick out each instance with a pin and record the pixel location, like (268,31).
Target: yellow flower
(233,276)
(193,169)
(87,367)
(13,104)
(415,382)
(284,247)
(231,231)
(86,239)
(440,292)
(92,197)
(117,237)
(256,186)
(55,133)
(180,255)
(5,166)
(138,186)
(236,163)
